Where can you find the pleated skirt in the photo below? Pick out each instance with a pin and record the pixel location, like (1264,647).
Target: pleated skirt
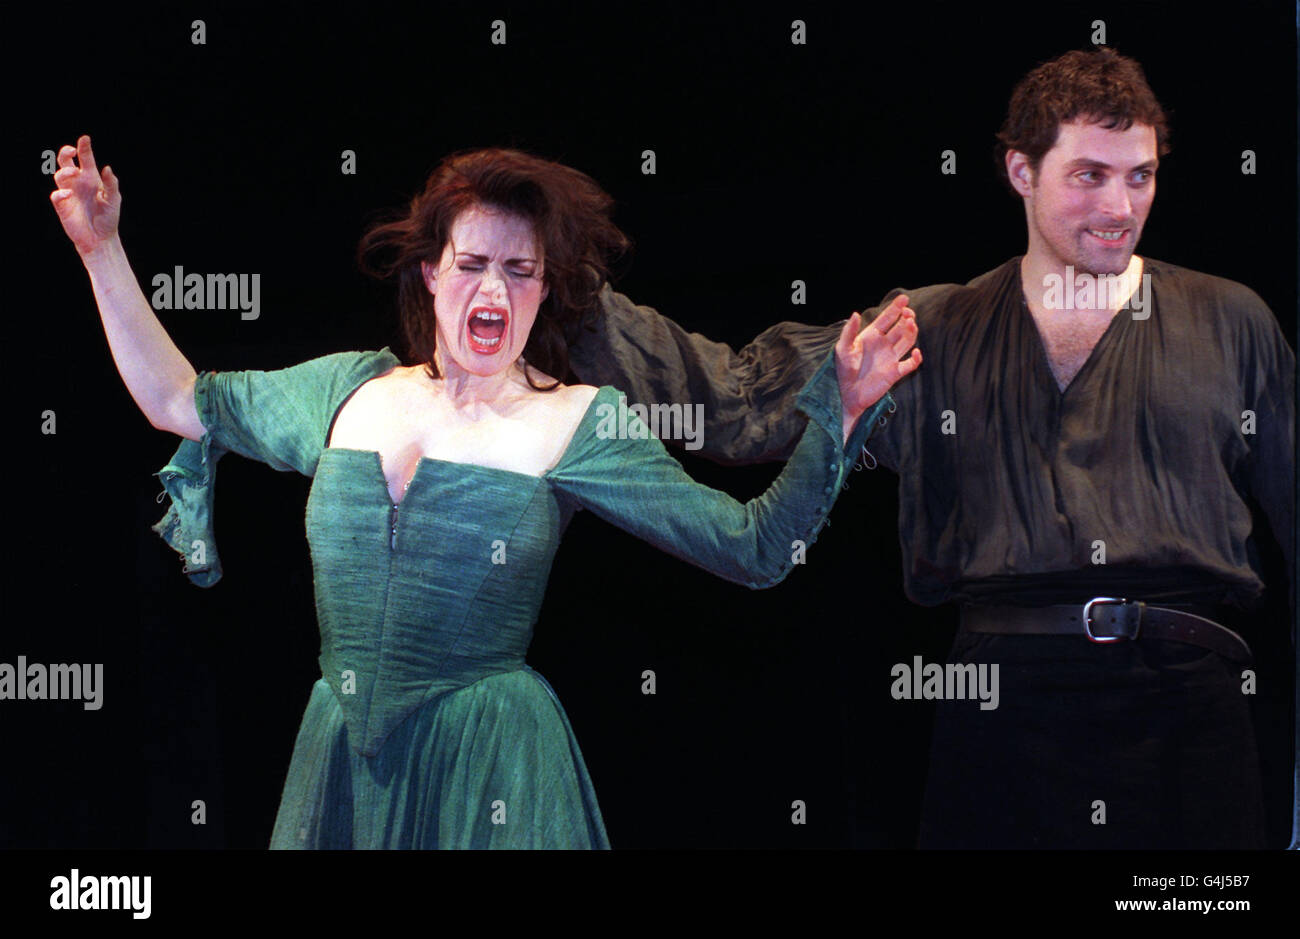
(492,765)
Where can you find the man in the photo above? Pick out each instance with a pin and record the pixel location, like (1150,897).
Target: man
(1089,424)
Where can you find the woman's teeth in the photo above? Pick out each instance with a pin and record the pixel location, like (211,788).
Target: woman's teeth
(487,328)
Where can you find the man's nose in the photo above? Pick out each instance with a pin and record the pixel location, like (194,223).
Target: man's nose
(1115,200)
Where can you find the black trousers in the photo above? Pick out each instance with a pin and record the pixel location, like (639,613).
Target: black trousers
(1145,744)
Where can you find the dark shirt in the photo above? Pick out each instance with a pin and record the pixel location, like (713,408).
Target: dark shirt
(1007,483)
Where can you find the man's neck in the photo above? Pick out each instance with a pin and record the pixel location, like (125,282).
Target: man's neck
(1051,287)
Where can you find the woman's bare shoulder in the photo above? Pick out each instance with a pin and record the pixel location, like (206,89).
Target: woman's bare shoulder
(580,397)
(566,398)
(563,409)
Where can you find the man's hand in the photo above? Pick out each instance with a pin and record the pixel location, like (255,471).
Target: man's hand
(88,202)
(869,361)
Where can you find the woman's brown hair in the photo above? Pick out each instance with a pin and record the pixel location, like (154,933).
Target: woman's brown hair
(570,216)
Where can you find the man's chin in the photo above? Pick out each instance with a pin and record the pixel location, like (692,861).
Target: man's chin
(1103,267)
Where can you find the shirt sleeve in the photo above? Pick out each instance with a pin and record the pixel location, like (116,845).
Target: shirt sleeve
(749,397)
(896,443)
(1268,370)
(280,418)
(631,481)
(1268,380)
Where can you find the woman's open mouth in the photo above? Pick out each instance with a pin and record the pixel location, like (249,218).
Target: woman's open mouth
(486,329)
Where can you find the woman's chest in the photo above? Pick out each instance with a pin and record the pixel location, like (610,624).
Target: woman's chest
(456,520)
(404,426)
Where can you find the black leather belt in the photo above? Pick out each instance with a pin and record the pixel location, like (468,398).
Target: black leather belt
(1108,619)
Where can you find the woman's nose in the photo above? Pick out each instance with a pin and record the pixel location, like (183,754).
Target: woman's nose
(493,285)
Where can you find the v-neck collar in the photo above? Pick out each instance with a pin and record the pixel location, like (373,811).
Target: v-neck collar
(1098,348)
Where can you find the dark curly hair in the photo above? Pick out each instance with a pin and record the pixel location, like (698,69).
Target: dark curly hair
(1098,85)
(570,216)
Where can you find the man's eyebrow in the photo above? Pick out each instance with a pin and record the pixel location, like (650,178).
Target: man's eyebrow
(1086,163)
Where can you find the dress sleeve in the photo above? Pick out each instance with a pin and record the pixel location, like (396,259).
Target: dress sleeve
(279,417)
(749,397)
(630,480)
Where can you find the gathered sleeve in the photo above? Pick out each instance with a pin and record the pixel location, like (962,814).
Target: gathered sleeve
(280,418)
(1268,365)
(631,481)
(750,410)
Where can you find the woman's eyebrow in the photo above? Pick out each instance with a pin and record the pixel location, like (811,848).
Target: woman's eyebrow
(483,257)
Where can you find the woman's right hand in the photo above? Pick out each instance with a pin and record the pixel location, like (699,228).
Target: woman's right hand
(88,203)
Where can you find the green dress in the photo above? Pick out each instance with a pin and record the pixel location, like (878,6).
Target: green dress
(427,729)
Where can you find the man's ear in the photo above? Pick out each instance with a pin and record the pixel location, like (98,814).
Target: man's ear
(430,275)
(1019,172)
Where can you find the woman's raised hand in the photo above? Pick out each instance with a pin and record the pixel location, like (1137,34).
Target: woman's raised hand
(869,361)
(88,202)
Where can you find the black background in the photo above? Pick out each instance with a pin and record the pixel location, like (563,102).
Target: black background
(775,162)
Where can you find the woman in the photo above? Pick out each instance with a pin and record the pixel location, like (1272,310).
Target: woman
(440,491)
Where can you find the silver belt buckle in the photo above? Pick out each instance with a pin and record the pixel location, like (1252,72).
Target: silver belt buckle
(1087,619)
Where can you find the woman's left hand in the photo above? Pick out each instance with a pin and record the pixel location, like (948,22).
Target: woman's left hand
(869,361)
